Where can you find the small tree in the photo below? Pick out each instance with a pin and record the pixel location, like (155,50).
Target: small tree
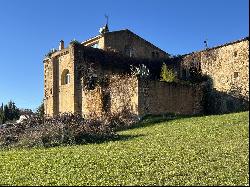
(9,112)
(167,75)
(14,112)
(6,112)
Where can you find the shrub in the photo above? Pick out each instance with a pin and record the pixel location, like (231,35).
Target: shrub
(167,75)
(123,120)
(59,130)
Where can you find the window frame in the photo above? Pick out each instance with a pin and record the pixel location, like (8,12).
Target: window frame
(95,45)
(65,77)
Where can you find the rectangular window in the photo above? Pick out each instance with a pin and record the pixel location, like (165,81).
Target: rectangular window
(156,54)
(236,74)
(96,45)
(153,54)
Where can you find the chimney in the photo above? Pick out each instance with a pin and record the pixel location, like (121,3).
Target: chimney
(61,45)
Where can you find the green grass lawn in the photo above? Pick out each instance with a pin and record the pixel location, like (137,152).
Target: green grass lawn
(210,150)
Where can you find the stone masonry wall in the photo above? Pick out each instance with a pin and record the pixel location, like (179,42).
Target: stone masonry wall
(92,103)
(66,91)
(48,87)
(227,66)
(129,43)
(123,93)
(120,93)
(157,97)
(59,97)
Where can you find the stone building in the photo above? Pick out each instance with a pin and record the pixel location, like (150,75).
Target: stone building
(125,42)
(228,68)
(95,77)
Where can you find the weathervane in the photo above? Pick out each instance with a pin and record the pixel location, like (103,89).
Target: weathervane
(205,42)
(107,19)
(105,29)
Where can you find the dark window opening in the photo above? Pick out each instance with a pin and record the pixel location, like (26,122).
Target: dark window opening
(153,54)
(236,74)
(156,54)
(235,53)
(95,45)
(65,77)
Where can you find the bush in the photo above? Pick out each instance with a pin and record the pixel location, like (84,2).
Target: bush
(62,129)
(122,120)
(167,75)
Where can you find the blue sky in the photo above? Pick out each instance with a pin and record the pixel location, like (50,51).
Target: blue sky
(30,28)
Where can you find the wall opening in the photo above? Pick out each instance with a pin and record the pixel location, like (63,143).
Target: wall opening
(95,45)
(236,74)
(65,77)
(153,54)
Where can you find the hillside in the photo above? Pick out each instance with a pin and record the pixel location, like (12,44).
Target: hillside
(209,150)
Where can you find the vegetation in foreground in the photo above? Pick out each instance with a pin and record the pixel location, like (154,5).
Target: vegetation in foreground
(209,150)
(64,129)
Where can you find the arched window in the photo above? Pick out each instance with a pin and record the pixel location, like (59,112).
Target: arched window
(65,78)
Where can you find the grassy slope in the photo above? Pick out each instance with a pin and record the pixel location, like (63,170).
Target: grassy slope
(191,151)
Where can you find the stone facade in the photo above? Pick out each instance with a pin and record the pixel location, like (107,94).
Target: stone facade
(126,43)
(226,65)
(120,93)
(60,97)
(157,97)
(82,79)
(142,97)
(112,90)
